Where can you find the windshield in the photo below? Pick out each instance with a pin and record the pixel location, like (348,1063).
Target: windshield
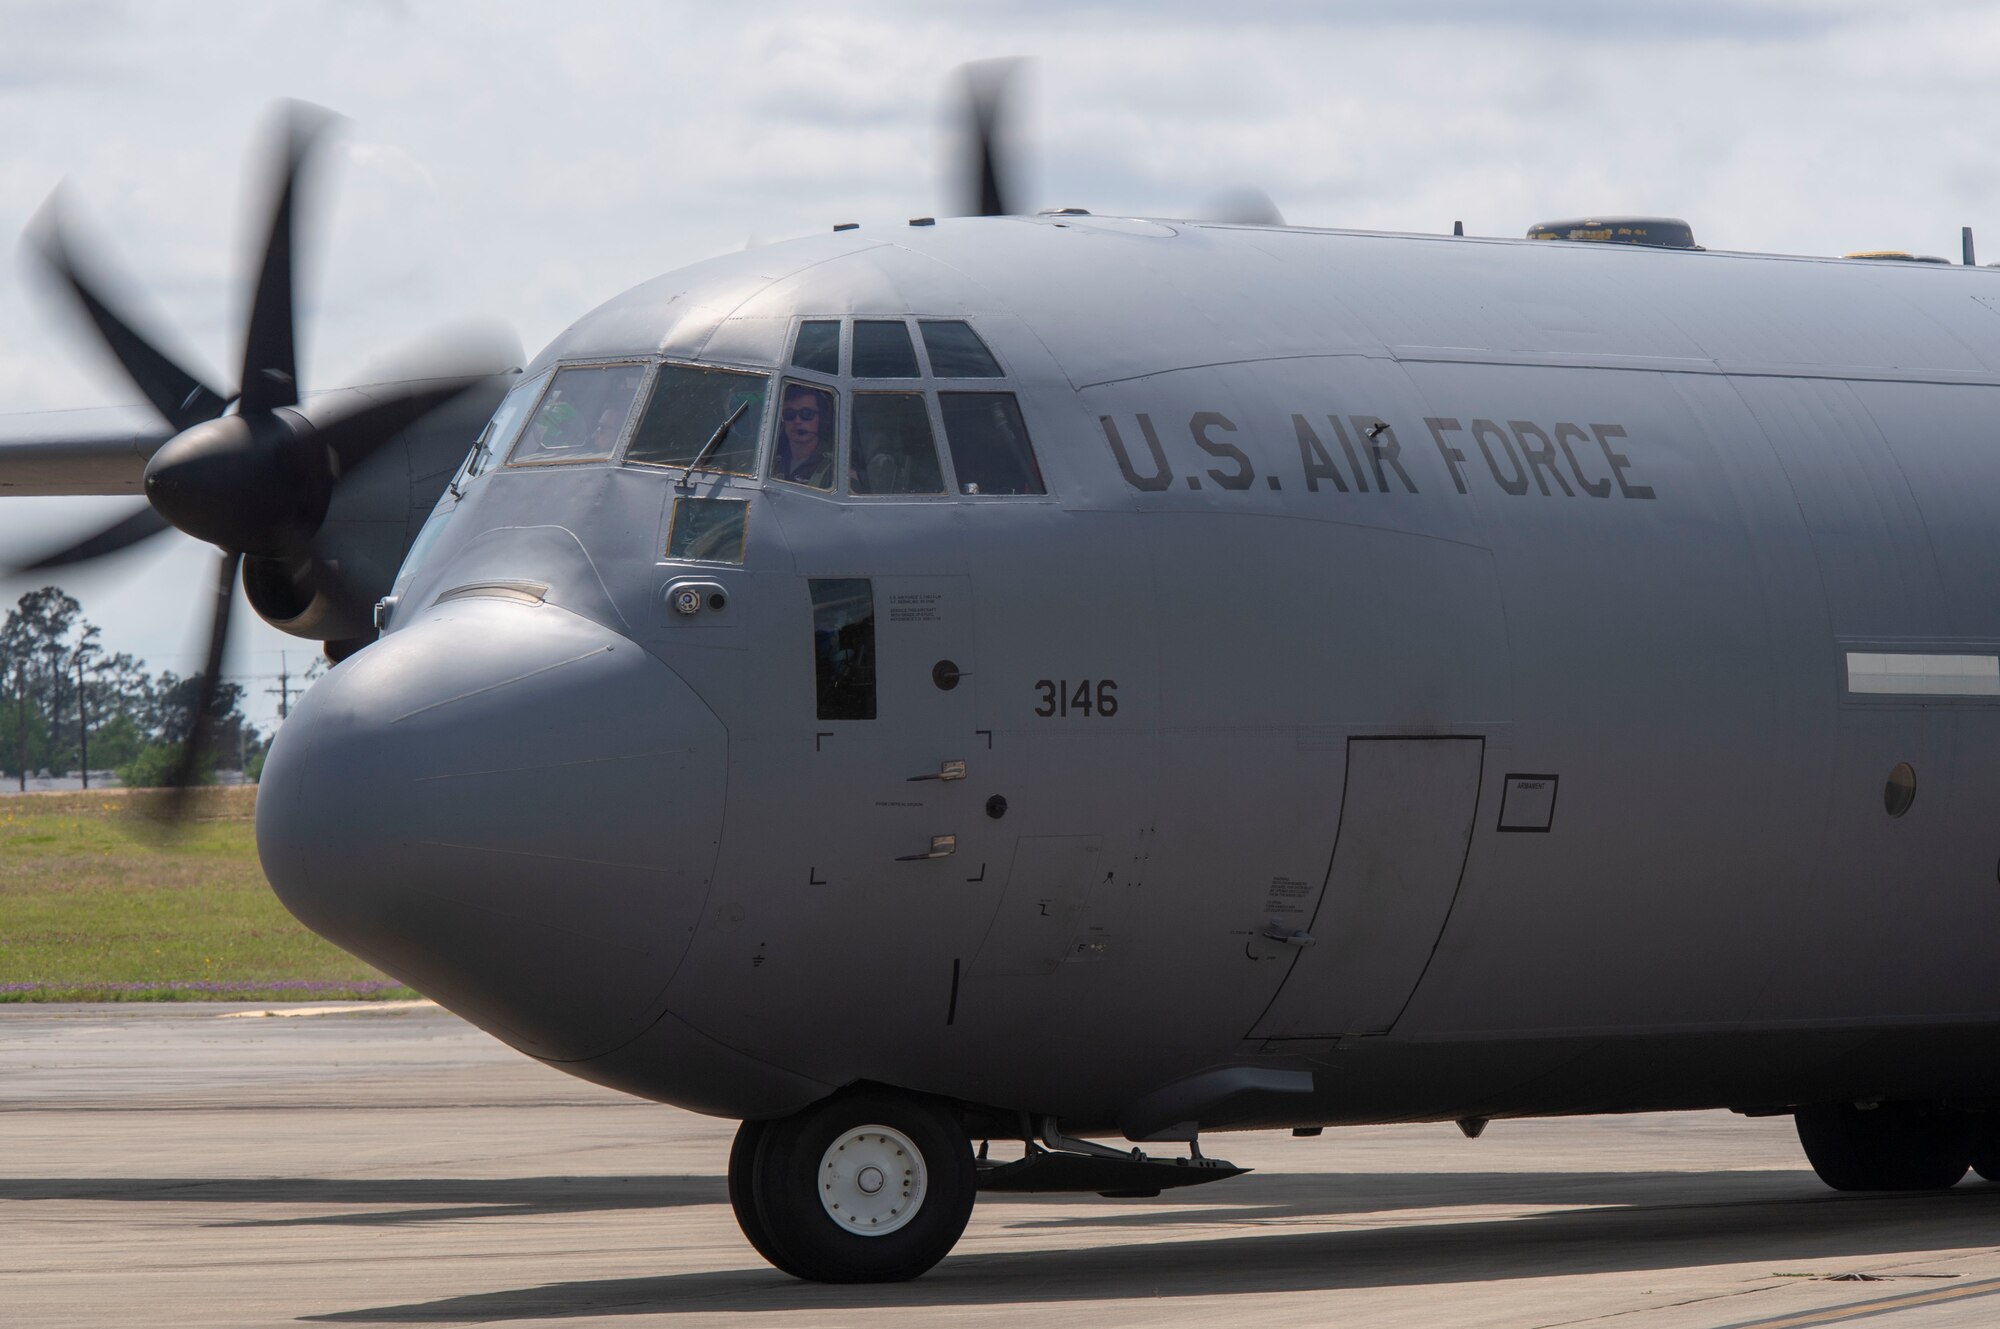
(690,407)
(581,416)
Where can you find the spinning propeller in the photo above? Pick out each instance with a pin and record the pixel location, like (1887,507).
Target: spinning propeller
(989,189)
(253,474)
(987,192)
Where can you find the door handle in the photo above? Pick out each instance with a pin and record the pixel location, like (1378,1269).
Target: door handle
(942,846)
(947,770)
(1289,936)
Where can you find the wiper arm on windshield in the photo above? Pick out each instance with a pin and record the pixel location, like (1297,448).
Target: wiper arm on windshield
(714,442)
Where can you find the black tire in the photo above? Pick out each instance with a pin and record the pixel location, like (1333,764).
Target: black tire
(924,1160)
(1893,1147)
(743,1195)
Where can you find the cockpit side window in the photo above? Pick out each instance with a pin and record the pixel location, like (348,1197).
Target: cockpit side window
(957,352)
(818,346)
(990,449)
(582,416)
(805,448)
(882,349)
(893,451)
(713,416)
(498,436)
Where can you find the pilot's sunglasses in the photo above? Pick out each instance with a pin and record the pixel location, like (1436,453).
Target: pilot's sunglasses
(805,413)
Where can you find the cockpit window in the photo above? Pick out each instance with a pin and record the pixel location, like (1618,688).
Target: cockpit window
(882,349)
(804,453)
(957,352)
(581,416)
(711,416)
(498,436)
(893,451)
(707,529)
(818,347)
(990,451)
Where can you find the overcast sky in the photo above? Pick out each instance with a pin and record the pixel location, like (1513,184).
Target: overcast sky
(527,161)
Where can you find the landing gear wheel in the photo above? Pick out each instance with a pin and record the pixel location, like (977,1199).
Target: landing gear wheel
(1894,1147)
(743,1198)
(867,1187)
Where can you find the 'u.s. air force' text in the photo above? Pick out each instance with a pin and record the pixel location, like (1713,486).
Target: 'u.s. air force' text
(1361,454)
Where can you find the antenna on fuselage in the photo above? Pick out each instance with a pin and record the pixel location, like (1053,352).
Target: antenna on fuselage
(1965,242)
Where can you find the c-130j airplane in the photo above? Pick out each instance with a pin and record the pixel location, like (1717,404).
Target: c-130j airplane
(1064,678)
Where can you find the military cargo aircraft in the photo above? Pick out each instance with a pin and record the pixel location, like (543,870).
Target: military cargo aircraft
(1051,678)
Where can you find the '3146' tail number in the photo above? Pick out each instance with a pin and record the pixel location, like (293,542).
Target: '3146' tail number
(1061,697)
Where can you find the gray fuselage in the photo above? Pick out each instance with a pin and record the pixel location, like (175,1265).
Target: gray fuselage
(1482,741)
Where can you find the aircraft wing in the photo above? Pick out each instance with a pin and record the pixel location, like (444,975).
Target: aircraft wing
(77,452)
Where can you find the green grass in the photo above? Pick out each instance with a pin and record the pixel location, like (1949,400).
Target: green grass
(93,907)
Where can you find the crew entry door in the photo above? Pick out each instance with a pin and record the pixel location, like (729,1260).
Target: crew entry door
(1405,824)
(895,754)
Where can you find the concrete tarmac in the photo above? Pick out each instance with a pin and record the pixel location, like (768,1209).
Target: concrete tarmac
(176,1165)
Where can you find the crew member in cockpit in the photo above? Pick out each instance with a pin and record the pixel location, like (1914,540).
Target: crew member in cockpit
(805,437)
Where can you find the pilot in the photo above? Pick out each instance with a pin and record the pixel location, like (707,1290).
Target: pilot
(805,437)
(610,420)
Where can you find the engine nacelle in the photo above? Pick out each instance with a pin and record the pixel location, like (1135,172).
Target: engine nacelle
(376,512)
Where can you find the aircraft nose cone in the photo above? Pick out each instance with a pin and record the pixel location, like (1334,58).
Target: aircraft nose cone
(509,807)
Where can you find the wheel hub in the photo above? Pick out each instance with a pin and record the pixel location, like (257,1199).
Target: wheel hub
(872,1180)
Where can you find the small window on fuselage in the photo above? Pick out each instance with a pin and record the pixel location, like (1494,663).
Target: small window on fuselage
(715,416)
(582,415)
(990,450)
(844,647)
(707,529)
(804,452)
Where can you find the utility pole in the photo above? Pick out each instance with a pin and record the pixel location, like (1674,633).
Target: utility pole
(85,648)
(21,719)
(283,692)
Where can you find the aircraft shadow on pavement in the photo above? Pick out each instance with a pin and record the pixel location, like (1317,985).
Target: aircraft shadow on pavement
(1637,1222)
(417,1199)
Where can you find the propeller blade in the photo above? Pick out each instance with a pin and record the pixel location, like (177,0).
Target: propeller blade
(987,176)
(355,437)
(122,534)
(173,809)
(179,397)
(270,353)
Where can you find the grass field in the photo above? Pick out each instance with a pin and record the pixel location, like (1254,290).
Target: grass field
(92,908)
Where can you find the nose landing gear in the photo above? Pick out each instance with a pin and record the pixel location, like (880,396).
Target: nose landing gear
(867,1187)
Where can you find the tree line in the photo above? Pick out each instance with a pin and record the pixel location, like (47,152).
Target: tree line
(66,696)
